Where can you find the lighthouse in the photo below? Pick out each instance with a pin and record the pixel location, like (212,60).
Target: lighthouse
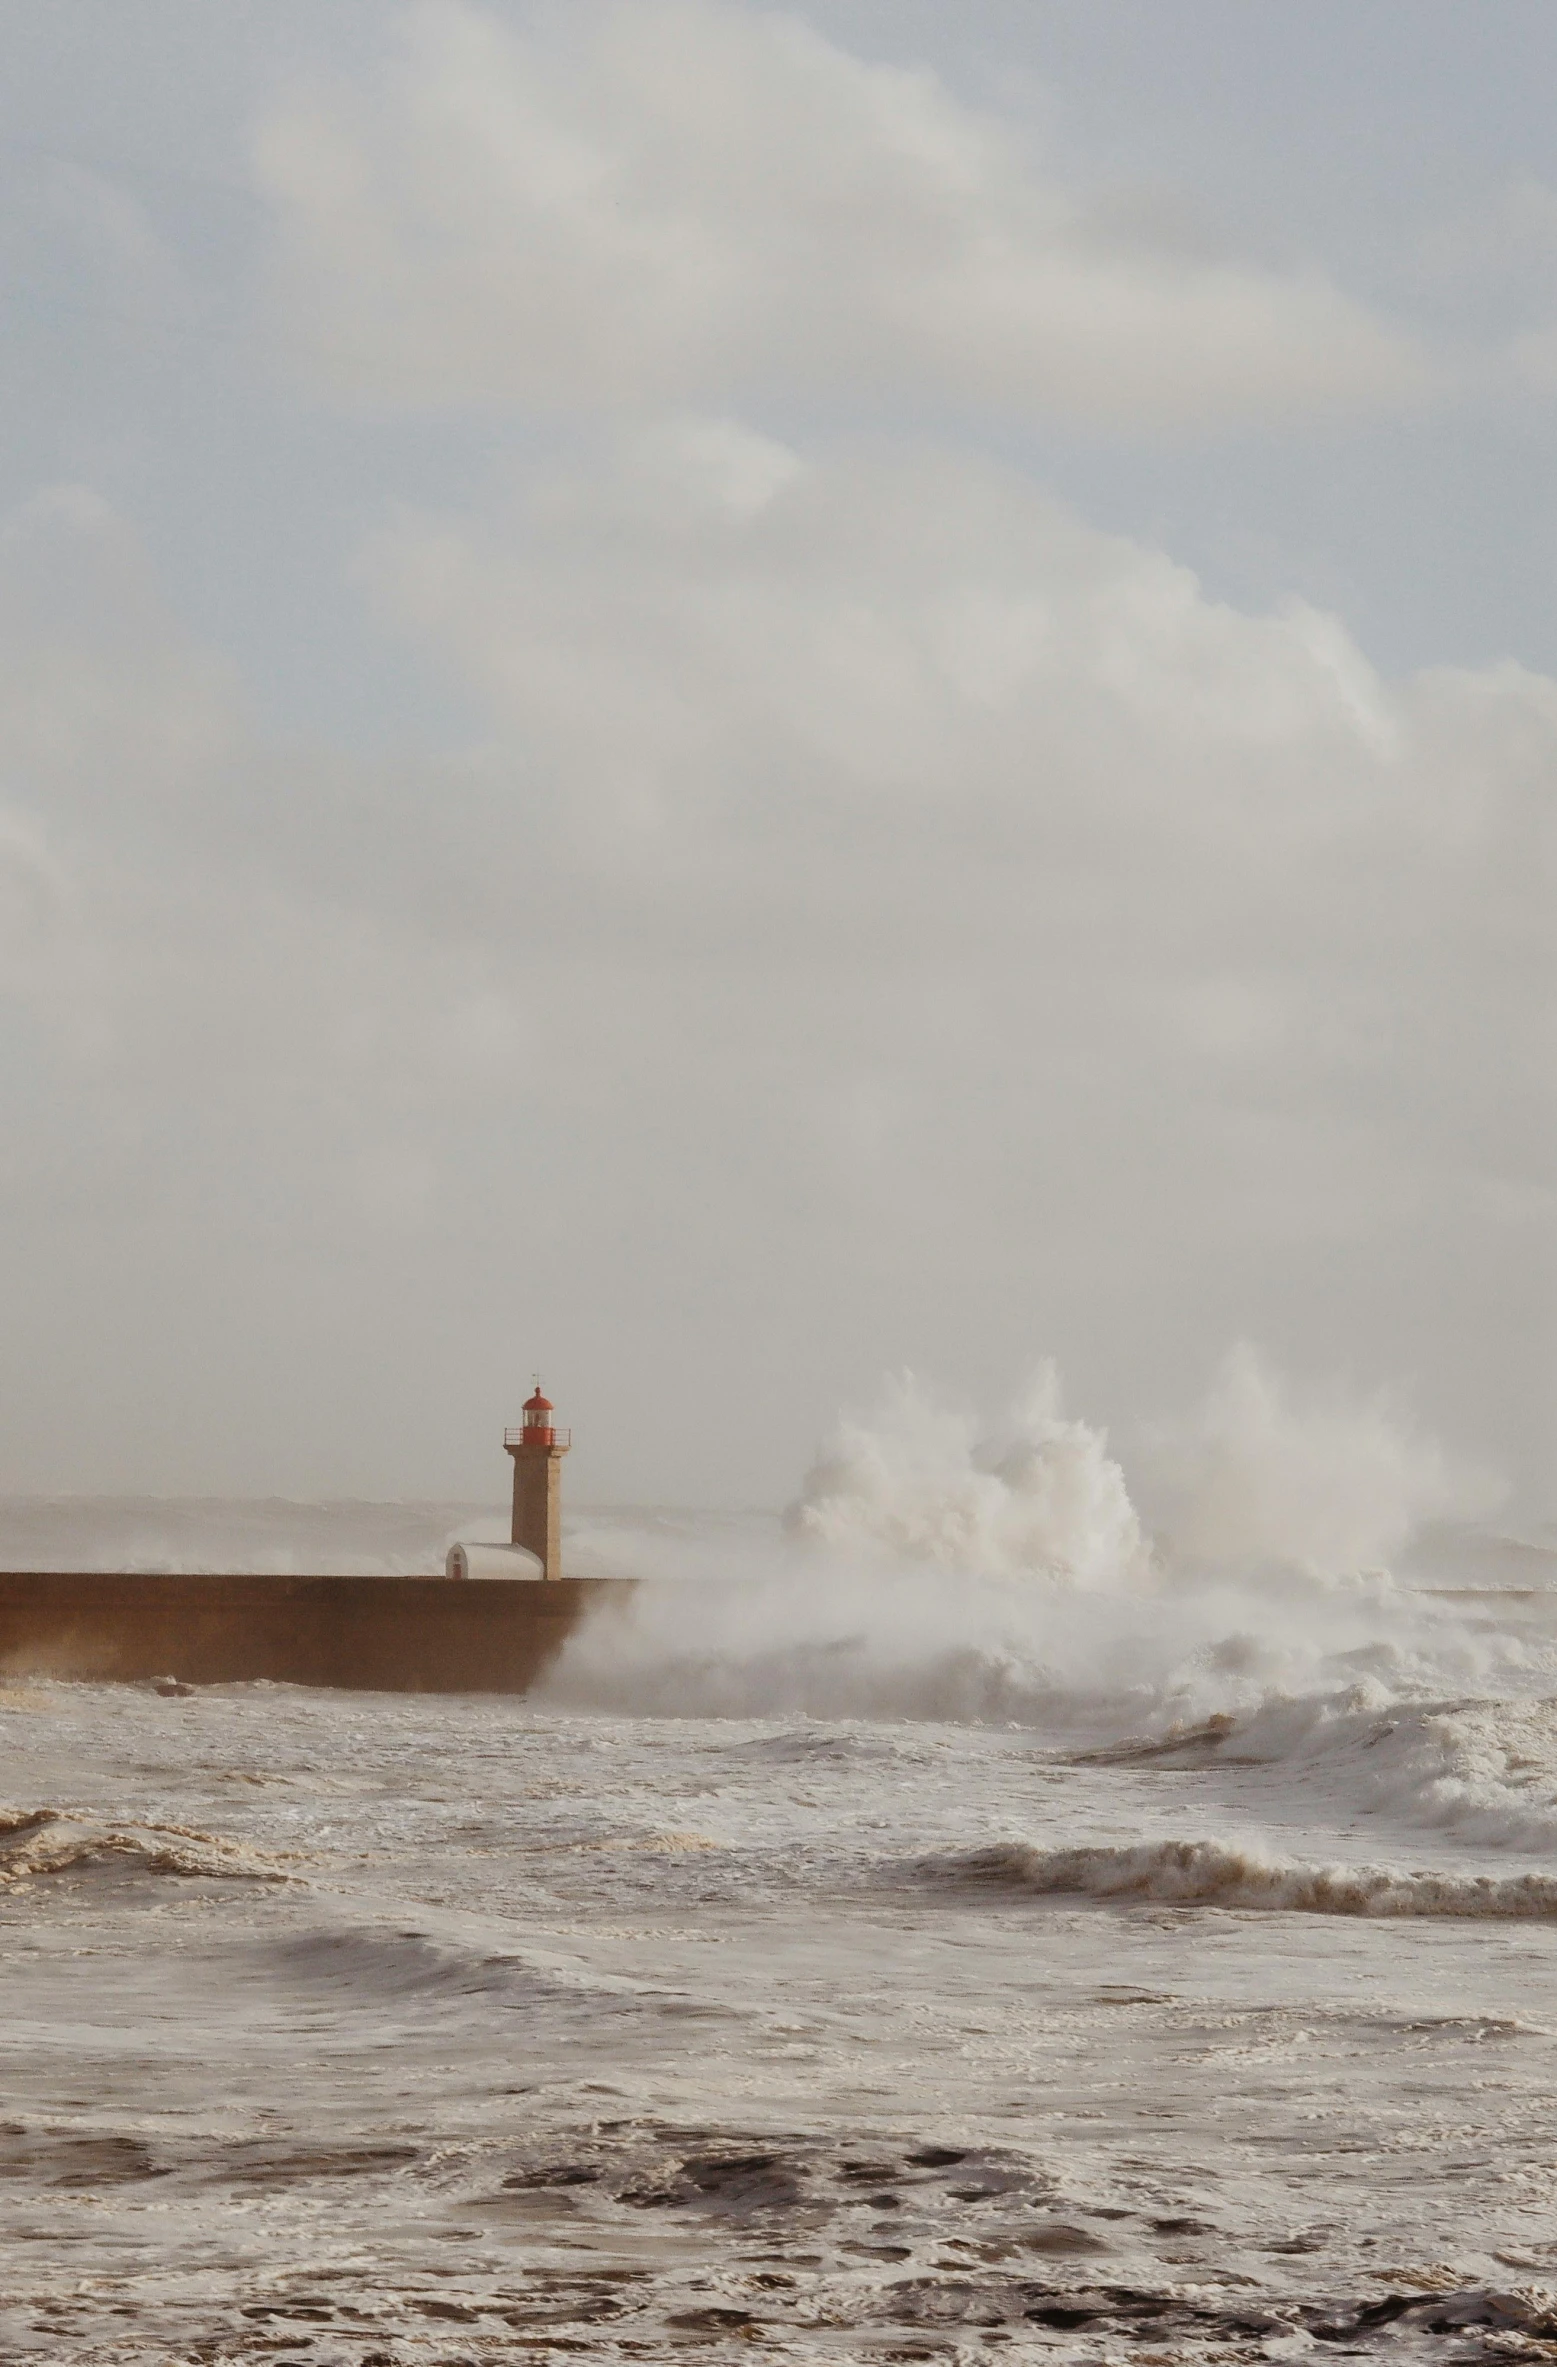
(538,1447)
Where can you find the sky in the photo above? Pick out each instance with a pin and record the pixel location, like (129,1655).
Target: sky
(723,699)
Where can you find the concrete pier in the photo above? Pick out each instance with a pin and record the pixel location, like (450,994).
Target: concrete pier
(390,1635)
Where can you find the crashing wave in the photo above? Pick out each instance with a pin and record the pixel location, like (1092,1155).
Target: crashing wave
(916,1483)
(1258,1479)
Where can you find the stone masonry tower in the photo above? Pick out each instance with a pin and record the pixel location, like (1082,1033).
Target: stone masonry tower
(537,1450)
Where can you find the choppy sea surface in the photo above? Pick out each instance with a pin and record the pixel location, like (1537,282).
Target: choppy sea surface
(860,1957)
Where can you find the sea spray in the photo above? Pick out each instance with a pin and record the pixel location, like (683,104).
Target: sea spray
(917,1482)
(1261,1476)
(939,1569)
(1258,1478)
(830,1639)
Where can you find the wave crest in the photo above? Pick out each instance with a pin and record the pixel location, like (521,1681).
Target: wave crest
(1222,1874)
(40,1841)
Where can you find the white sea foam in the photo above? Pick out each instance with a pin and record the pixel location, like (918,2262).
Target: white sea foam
(35,1842)
(690,2028)
(1377,1700)
(1485,1769)
(830,1640)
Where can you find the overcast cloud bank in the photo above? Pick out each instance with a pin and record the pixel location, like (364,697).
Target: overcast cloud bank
(871,913)
(695,198)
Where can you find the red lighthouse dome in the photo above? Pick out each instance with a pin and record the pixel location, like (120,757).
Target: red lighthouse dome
(538,1429)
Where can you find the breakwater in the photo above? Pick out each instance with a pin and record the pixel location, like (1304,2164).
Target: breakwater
(395,1635)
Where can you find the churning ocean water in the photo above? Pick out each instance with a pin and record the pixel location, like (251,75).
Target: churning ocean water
(961,1924)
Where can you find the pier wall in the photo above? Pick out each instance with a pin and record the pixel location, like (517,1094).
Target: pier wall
(392,1635)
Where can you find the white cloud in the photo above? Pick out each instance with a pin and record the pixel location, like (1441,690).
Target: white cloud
(1035,833)
(893,650)
(689,198)
(104,703)
(878,898)
(863,914)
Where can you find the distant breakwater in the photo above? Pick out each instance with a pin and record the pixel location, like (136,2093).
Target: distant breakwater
(392,1635)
